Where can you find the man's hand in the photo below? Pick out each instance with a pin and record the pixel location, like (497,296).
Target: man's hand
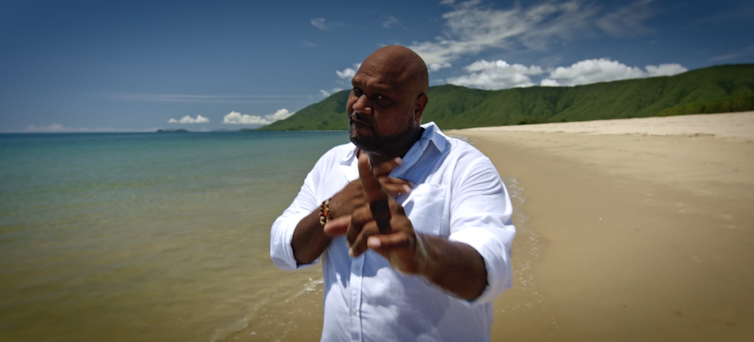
(310,240)
(352,196)
(380,224)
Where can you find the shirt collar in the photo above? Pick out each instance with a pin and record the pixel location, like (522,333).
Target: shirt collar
(431,135)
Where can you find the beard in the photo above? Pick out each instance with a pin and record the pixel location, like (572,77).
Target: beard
(375,142)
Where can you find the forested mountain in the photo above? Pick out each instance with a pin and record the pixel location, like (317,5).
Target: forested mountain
(717,89)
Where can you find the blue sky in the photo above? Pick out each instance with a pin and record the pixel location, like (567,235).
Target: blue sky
(79,66)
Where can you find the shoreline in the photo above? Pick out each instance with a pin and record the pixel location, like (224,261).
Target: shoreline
(643,232)
(607,247)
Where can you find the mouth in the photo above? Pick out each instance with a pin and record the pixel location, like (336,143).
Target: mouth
(354,120)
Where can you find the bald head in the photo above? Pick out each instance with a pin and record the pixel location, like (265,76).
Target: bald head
(403,66)
(387,101)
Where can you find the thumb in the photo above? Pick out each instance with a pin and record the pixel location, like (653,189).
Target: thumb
(337,227)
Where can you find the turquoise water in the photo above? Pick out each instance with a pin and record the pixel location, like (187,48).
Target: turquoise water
(148,237)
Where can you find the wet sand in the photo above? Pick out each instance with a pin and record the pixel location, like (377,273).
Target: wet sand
(638,229)
(630,230)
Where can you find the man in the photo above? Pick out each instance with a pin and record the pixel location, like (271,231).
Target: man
(413,228)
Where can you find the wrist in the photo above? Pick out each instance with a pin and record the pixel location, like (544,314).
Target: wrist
(325,215)
(420,262)
(335,208)
(421,257)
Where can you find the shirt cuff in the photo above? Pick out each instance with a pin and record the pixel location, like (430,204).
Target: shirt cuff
(496,261)
(281,250)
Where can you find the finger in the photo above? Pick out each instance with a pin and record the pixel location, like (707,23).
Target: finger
(337,227)
(395,186)
(388,242)
(384,168)
(359,245)
(376,195)
(358,219)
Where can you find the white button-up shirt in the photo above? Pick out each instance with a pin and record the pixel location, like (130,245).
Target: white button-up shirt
(458,194)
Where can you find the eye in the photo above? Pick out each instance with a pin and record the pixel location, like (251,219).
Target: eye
(382,98)
(357,92)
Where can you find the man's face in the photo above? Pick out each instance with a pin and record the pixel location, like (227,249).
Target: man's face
(380,107)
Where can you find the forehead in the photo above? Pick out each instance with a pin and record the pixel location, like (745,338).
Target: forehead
(381,77)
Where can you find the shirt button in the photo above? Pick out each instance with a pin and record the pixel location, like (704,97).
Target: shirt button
(353,312)
(356,268)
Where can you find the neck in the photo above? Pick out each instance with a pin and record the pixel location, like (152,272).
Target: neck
(398,150)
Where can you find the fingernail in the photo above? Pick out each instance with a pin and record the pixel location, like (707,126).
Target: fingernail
(374,242)
(398,160)
(407,188)
(350,252)
(411,184)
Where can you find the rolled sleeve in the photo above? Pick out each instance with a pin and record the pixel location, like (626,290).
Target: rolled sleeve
(496,261)
(481,217)
(281,251)
(281,234)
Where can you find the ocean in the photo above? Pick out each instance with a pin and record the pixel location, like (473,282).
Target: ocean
(148,237)
(159,236)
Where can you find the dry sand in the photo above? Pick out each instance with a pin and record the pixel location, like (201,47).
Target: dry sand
(634,230)
(631,230)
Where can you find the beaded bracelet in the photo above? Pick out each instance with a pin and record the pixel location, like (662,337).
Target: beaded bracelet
(324,212)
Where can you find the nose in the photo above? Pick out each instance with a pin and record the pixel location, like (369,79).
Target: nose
(362,105)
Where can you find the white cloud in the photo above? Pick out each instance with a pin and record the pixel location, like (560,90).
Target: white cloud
(319,23)
(190,98)
(323,25)
(595,70)
(348,73)
(742,52)
(189,120)
(605,70)
(496,75)
(326,93)
(472,27)
(627,21)
(50,128)
(549,83)
(392,22)
(58,128)
(438,66)
(236,118)
(280,114)
(493,75)
(665,70)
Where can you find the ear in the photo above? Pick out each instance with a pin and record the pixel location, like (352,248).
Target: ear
(419,104)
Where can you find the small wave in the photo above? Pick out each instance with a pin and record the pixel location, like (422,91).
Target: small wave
(240,326)
(311,285)
(515,191)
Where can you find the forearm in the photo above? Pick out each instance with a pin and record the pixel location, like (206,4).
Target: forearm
(453,266)
(309,239)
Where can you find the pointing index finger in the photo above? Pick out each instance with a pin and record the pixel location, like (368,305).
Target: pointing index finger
(376,195)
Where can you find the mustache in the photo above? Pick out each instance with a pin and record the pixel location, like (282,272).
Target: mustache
(361,118)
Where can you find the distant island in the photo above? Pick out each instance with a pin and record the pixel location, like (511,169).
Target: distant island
(180,130)
(717,89)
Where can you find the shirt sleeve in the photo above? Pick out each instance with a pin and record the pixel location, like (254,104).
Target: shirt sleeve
(282,230)
(481,217)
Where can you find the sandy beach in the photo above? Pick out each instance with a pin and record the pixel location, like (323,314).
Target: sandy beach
(638,229)
(628,230)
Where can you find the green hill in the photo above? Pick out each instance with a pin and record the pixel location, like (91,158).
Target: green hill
(724,88)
